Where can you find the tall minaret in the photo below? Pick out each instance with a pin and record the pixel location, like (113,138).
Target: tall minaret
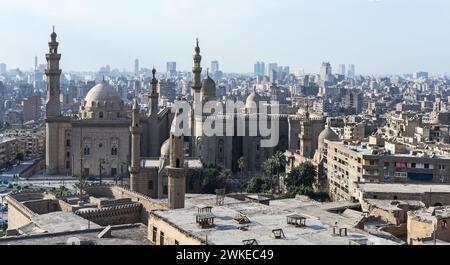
(196,88)
(154,96)
(135,130)
(176,173)
(53,161)
(53,73)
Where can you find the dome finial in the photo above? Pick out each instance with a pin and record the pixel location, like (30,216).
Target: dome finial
(207,72)
(153,72)
(197,48)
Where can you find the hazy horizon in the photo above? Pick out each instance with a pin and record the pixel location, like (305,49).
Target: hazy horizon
(378,36)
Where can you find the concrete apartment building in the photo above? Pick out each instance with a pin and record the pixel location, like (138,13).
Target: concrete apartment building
(8,150)
(376,162)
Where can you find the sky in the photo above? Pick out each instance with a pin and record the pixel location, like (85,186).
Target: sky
(378,36)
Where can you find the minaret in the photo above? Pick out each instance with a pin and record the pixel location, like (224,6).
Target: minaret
(135,130)
(154,96)
(197,129)
(176,173)
(53,119)
(53,73)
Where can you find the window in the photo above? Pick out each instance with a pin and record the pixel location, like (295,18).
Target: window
(114,151)
(113,172)
(100,115)
(67,164)
(118,114)
(86,151)
(155,232)
(68,154)
(150,184)
(413,165)
(427,166)
(68,143)
(395,197)
(165,190)
(161,238)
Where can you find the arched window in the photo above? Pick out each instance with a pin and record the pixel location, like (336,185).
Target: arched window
(114,151)
(87,151)
(178,163)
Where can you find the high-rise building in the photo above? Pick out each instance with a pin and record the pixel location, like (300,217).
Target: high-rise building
(325,72)
(31,108)
(136,66)
(271,67)
(171,68)
(214,66)
(259,68)
(351,71)
(418,75)
(341,69)
(3,68)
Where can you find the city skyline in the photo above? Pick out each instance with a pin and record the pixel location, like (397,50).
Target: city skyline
(379,37)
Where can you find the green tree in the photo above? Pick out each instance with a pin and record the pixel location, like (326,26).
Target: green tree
(81,186)
(212,178)
(279,162)
(259,184)
(268,168)
(242,163)
(302,175)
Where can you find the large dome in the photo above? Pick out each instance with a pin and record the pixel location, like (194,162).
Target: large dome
(328,134)
(208,88)
(253,98)
(102,92)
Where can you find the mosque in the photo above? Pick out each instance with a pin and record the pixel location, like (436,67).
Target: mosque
(109,137)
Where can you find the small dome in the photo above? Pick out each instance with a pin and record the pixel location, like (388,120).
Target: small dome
(208,88)
(102,92)
(165,148)
(253,98)
(328,134)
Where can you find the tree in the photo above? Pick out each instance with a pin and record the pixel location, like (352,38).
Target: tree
(259,184)
(268,167)
(212,178)
(242,163)
(301,179)
(20,157)
(81,186)
(279,163)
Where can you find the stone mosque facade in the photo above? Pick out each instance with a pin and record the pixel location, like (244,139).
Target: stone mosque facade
(110,137)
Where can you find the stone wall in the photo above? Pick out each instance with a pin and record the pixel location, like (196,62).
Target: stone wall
(172,234)
(18,214)
(116,215)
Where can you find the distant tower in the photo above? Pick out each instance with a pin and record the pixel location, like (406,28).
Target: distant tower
(176,172)
(35,63)
(136,67)
(53,73)
(154,96)
(135,130)
(53,117)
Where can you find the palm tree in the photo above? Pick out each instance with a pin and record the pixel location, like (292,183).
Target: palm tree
(81,186)
(242,164)
(279,161)
(268,167)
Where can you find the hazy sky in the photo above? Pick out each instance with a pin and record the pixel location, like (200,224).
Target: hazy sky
(379,36)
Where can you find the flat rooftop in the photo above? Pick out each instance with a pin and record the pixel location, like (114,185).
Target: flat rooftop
(134,234)
(403,188)
(320,219)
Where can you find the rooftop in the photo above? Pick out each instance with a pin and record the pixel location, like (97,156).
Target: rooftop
(320,219)
(403,188)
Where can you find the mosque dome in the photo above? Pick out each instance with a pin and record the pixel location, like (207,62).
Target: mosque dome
(328,134)
(253,98)
(208,88)
(102,92)
(165,149)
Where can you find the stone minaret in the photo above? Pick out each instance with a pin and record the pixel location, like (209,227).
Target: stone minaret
(196,88)
(135,130)
(176,171)
(52,107)
(53,73)
(154,96)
